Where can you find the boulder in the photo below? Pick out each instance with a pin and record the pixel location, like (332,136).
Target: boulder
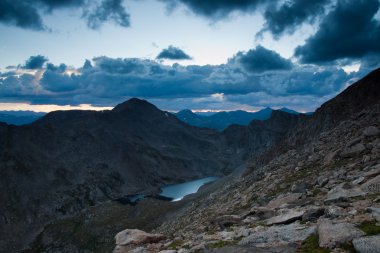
(352,151)
(371,131)
(375,171)
(334,211)
(136,237)
(372,185)
(278,235)
(367,244)
(330,157)
(299,188)
(332,235)
(313,214)
(242,249)
(375,212)
(284,199)
(344,191)
(322,180)
(225,221)
(286,217)
(261,213)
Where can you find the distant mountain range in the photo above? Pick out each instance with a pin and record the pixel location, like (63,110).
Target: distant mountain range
(222,120)
(19,118)
(218,121)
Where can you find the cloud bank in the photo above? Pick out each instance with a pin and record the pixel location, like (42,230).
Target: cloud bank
(240,83)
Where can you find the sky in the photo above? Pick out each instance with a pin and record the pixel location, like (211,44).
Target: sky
(184,54)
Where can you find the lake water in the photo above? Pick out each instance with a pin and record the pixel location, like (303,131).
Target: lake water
(178,191)
(173,192)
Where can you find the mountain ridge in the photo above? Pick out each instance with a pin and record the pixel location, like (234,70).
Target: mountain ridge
(221,120)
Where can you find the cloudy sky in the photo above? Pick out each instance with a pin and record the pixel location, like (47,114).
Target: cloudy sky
(201,55)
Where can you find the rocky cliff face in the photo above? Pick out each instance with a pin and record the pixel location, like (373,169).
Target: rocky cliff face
(315,191)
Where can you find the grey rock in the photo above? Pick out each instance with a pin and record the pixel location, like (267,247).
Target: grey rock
(241,249)
(375,212)
(262,213)
(332,235)
(334,211)
(373,172)
(313,214)
(330,157)
(281,234)
(322,180)
(137,237)
(343,191)
(367,244)
(372,185)
(353,151)
(299,188)
(225,221)
(286,217)
(284,199)
(371,131)
(359,180)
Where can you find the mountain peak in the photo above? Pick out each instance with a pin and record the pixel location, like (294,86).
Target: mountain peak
(135,104)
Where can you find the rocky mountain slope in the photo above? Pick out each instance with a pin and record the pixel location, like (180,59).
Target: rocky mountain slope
(221,120)
(315,191)
(68,161)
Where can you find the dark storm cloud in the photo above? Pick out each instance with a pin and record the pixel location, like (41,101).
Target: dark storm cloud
(20,13)
(108,10)
(217,9)
(260,59)
(173,53)
(53,4)
(348,31)
(286,18)
(35,62)
(28,14)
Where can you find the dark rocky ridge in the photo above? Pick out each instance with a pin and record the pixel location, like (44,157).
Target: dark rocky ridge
(325,172)
(70,160)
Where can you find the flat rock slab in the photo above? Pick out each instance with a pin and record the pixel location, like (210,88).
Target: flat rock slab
(344,191)
(371,131)
(241,249)
(284,199)
(332,235)
(136,237)
(367,244)
(286,217)
(375,212)
(353,151)
(278,235)
(372,185)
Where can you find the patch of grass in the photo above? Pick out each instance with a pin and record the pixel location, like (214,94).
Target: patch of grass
(221,244)
(370,228)
(339,163)
(317,191)
(310,245)
(176,244)
(348,247)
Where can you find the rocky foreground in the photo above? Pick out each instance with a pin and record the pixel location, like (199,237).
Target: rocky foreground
(316,191)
